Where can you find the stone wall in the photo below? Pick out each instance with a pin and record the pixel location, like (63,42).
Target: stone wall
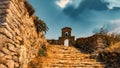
(19,41)
(53,42)
(92,44)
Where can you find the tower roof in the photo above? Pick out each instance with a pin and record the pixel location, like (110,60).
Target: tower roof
(66,28)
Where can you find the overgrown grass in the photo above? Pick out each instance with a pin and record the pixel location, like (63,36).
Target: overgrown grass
(42,51)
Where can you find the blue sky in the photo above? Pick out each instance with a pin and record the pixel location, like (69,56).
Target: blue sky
(83,16)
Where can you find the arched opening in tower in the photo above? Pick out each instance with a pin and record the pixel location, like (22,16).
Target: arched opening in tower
(66,33)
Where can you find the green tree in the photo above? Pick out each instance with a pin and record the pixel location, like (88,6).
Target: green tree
(40,25)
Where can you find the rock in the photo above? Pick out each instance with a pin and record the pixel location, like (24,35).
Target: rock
(15,58)
(2,54)
(5,51)
(3,66)
(17,65)
(18,38)
(10,63)
(17,35)
(11,47)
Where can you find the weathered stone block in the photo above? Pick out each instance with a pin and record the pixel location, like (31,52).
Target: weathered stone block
(5,51)
(11,47)
(3,66)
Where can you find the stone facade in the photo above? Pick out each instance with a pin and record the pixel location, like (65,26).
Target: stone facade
(19,41)
(66,35)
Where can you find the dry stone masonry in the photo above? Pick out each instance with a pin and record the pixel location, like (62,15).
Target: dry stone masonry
(19,41)
(67,57)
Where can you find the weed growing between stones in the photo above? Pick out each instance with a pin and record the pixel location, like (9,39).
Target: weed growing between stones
(42,51)
(40,25)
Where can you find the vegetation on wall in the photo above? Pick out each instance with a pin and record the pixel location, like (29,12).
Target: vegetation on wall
(32,65)
(116,36)
(110,59)
(42,51)
(40,25)
(102,31)
(29,8)
(89,44)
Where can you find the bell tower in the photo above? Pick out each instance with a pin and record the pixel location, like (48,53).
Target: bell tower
(66,32)
(66,38)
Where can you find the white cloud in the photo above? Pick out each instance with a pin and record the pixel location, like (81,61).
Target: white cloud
(63,3)
(117,21)
(76,3)
(116,25)
(113,3)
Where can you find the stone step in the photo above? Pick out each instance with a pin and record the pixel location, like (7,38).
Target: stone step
(77,65)
(72,62)
(68,57)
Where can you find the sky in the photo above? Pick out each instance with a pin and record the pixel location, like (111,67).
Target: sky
(83,16)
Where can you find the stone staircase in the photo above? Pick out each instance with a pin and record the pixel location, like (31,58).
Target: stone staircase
(67,57)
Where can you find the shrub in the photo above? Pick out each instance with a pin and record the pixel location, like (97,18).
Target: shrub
(29,8)
(32,65)
(42,51)
(116,36)
(40,25)
(110,59)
